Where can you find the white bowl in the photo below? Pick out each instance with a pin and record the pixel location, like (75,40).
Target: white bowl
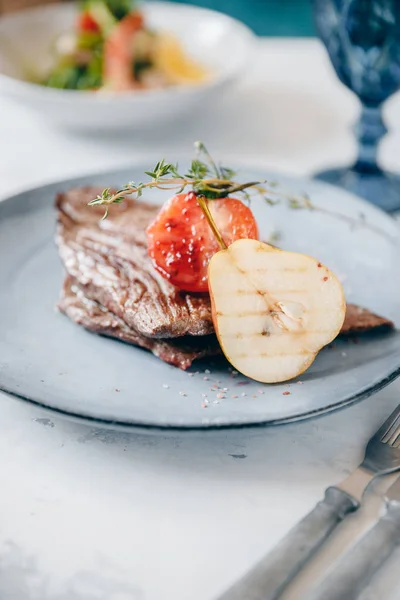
(218,41)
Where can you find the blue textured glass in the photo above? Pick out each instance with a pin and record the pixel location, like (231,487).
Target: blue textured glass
(363,42)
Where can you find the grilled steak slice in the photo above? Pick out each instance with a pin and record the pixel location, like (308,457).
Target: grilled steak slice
(180,352)
(361,320)
(109,260)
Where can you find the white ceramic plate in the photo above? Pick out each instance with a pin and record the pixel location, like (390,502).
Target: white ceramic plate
(216,40)
(46,359)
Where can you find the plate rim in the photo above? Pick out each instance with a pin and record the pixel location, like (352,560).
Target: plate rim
(131,424)
(151,427)
(238,162)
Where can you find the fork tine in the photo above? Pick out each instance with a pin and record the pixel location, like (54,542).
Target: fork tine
(395,430)
(392,430)
(387,425)
(394,436)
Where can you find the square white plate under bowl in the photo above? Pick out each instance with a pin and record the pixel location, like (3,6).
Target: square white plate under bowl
(47,360)
(217,41)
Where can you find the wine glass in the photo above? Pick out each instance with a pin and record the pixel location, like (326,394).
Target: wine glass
(363,42)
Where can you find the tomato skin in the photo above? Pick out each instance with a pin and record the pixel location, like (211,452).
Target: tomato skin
(86,23)
(181,243)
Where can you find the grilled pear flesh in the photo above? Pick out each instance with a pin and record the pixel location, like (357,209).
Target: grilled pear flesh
(273,310)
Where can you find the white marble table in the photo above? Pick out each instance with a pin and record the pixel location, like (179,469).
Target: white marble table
(88,514)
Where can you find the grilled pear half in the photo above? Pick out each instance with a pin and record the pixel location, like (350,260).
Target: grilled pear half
(273,310)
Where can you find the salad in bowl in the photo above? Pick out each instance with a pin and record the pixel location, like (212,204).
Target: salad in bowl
(112,47)
(120,65)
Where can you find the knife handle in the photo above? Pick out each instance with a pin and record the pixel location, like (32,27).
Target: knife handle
(267,580)
(351,574)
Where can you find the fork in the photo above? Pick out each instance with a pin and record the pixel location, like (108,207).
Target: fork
(268,579)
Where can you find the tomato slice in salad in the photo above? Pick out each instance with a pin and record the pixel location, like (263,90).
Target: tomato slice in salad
(86,23)
(181,243)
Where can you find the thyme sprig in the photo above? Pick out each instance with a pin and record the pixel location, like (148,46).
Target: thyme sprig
(204,177)
(211,181)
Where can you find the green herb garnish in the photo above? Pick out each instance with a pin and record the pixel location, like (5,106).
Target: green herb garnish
(204,177)
(211,181)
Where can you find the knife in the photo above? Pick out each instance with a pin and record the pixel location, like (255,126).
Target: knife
(353,571)
(268,579)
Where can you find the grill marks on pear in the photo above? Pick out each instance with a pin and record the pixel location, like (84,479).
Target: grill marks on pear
(273,310)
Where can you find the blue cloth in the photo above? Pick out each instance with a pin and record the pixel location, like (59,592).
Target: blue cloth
(267,17)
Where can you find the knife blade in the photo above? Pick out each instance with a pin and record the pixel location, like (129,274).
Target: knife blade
(352,572)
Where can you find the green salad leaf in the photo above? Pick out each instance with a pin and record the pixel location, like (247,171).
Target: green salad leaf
(120,8)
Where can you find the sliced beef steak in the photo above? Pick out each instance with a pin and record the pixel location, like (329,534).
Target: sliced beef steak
(361,320)
(180,352)
(113,289)
(109,260)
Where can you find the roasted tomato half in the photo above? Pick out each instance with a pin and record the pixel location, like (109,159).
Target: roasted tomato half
(181,242)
